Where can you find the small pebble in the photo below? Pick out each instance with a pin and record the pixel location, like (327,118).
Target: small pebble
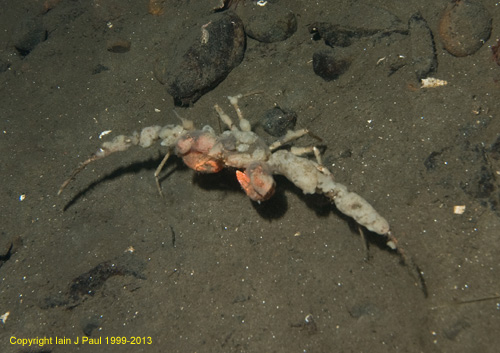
(276,122)
(464,27)
(202,57)
(329,64)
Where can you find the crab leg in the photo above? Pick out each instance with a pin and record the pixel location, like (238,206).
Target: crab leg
(158,171)
(225,118)
(119,143)
(309,177)
(76,171)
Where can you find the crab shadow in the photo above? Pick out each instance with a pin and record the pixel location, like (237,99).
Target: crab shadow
(324,208)
(277,206)
(273,209)
(133,168)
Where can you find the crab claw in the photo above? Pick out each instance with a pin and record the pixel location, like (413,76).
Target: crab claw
(257,181)
(202,162)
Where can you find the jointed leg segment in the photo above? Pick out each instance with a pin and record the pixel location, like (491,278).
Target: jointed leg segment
(158,171)
(96,156)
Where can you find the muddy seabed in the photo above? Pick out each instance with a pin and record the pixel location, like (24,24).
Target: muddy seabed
(206,270)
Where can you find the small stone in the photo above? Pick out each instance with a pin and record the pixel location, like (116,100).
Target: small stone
(329,64)
(202,57)
(464,27)
(276,122)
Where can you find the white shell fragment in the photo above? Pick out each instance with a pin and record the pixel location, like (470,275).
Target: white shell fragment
(459,209)
(3,318)
(104,133)
(431,82)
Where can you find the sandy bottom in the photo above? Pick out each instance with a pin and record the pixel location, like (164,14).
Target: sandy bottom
(206,270)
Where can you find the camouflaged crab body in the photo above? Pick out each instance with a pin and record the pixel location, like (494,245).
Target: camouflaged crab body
(205,152)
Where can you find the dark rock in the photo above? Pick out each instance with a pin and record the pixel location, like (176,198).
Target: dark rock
(277,121)
(269,23)
(203,58)
(464,27)
(329,64)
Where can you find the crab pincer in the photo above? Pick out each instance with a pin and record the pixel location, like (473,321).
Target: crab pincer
(257,181)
